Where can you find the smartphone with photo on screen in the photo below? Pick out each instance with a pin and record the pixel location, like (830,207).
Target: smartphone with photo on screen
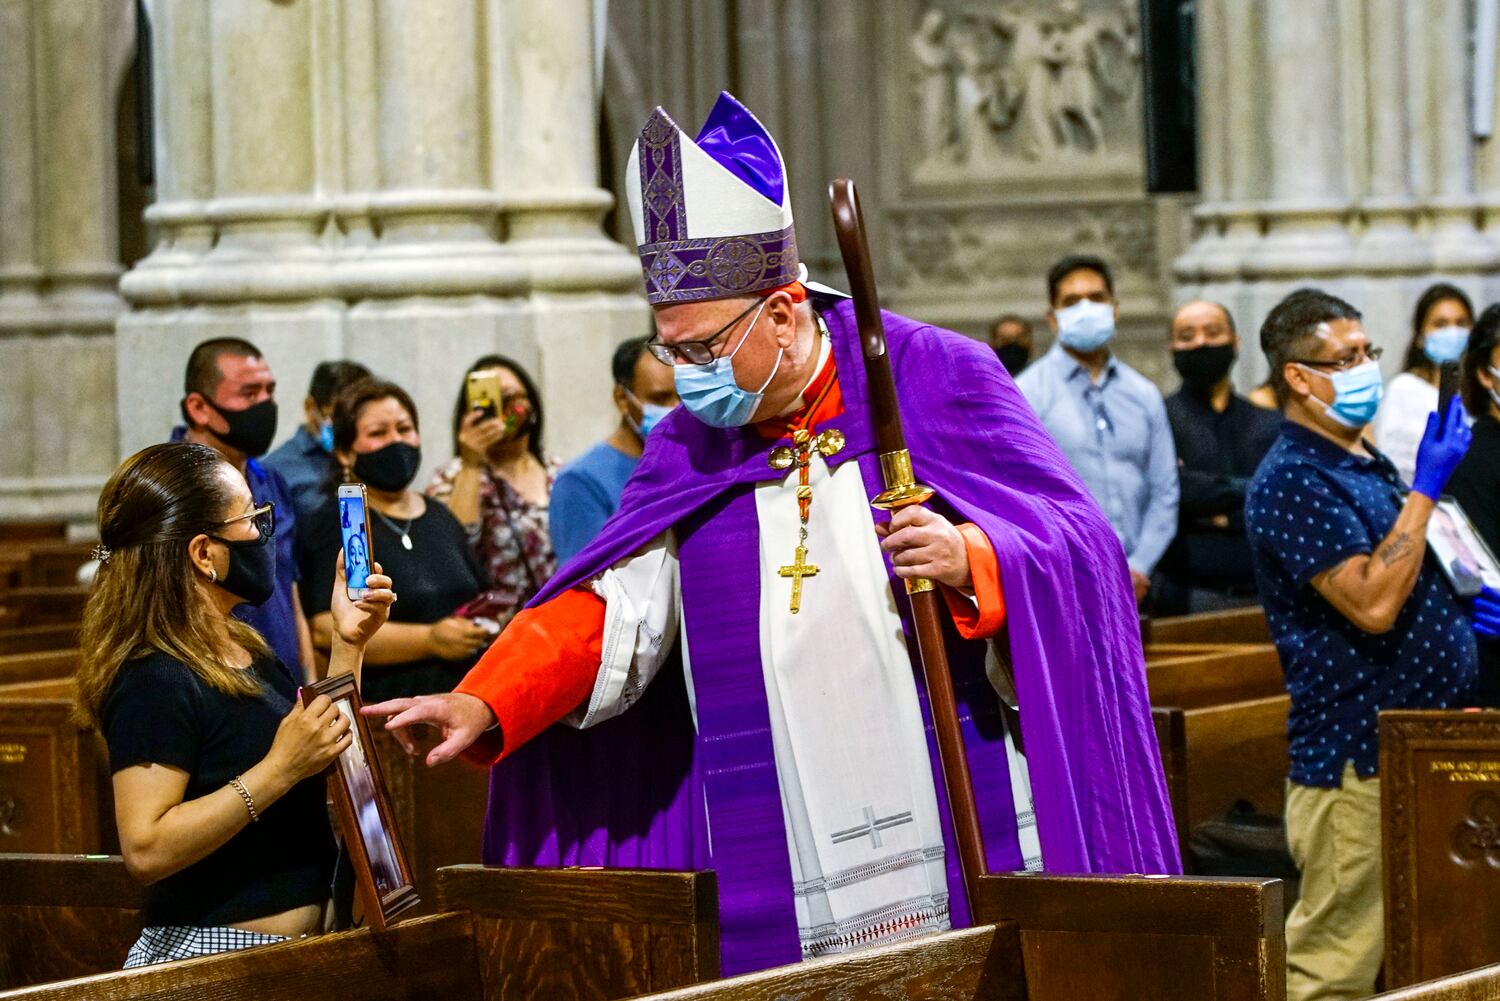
(354,527)
(483,389)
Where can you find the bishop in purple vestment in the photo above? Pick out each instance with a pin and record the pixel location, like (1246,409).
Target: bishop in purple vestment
(688,768)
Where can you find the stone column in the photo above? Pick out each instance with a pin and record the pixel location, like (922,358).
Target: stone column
(1458,246)
(1308,202)
(410,185)
(1369,183)
(1389,244)
(60,79)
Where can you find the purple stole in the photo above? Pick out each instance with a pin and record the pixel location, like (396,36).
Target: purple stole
(719,550)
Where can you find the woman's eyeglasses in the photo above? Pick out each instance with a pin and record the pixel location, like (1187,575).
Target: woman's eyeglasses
(263,516)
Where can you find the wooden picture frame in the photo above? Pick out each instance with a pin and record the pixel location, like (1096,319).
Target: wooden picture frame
(382,876)
(1459,550)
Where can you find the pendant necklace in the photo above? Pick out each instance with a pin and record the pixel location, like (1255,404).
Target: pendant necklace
(404,530)
(798,455)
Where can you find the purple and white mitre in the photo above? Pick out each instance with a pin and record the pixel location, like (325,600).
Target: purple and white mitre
(712,215)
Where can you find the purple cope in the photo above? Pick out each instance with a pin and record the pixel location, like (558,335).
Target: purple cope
(645,790)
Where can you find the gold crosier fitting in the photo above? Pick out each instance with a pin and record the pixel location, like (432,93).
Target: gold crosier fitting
(902,490)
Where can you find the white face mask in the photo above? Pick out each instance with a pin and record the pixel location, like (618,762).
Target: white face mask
(1495,389)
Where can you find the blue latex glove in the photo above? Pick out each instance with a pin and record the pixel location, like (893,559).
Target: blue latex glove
(1443,447)
(1487,613)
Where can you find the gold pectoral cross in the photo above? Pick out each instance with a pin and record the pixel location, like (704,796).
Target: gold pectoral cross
(797,569)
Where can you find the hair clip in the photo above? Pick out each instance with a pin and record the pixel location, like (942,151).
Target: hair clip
(102,553)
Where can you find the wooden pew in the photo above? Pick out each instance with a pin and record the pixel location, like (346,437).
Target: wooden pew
(1482,984)
(1195,676)
(1237,625)
(439,811)
(64,916)
(1229,752)
(40,666)
(1440,799)
(1068,937)
(425,958)
(55,793)
(56,564)
(597,933)
(31,639)
(1173,938)
(976,964)
(42,606)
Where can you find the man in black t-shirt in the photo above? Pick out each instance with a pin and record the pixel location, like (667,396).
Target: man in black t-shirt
(1221,438)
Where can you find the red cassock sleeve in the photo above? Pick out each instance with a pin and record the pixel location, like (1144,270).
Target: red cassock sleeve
(981,617)
(537,671)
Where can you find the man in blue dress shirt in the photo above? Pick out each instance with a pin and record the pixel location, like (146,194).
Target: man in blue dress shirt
(1362,619)
(1109,420)
(588,489)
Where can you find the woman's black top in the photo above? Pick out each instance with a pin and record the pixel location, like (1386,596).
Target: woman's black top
(1476,484)
(432,580)
(158,711)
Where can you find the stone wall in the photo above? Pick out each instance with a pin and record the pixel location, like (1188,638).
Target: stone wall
(1337,149)
(987,139)
(62,67)
(409,185)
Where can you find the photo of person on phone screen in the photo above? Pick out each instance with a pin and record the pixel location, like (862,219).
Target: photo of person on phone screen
(358,560)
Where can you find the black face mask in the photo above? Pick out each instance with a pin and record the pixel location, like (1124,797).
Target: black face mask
(250,430)
(1014,357)
(252,569)
(390,468)
(1204,368)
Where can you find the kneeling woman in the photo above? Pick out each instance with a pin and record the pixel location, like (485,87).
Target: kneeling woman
(216,763)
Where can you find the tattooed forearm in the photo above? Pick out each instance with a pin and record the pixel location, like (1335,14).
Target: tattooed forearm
(1397,549)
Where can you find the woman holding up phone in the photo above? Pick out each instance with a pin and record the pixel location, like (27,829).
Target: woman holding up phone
(425,648)
(499,484)
(216,763)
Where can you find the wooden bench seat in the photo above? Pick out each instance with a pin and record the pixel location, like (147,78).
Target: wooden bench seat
(1228,752)
(65,916)
(605,934)
(42,665)
(35,639)
(1178,938)
(1235,625)
(426,958)
(55,792)
(975,964)
(42,606)
(1193,676)
(1482,984)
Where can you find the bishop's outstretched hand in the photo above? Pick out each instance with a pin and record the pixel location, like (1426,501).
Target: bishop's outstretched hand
(460,720)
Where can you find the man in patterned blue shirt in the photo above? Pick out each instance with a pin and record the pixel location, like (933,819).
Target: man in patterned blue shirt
(1363,621)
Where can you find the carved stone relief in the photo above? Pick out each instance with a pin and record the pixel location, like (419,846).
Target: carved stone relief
(1016,86)
(976,247)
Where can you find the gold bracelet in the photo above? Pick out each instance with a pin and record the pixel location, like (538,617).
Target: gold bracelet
(239,787)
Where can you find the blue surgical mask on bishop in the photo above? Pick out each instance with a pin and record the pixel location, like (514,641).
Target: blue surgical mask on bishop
(713,395)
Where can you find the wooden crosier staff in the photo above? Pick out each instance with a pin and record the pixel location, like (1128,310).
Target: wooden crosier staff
(901,490)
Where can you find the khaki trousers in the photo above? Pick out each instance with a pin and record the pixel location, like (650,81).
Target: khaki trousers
(1336,933)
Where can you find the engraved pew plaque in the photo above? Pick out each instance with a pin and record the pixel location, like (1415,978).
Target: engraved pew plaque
(1440,802)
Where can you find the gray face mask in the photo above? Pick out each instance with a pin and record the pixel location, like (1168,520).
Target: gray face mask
(1495,389)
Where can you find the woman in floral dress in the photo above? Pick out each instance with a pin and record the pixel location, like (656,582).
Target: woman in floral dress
(498,485)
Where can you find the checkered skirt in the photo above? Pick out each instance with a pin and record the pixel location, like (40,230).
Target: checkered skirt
(165,944)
